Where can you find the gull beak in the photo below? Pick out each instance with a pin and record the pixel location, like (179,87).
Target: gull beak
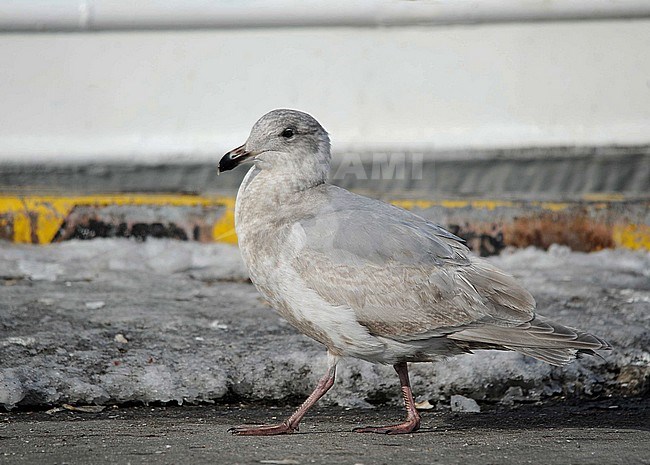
(234,157)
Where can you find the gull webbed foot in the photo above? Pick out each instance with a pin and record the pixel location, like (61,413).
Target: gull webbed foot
(408,426)
(262,430)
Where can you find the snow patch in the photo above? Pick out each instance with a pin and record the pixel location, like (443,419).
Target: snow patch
(464,404)
(115,320)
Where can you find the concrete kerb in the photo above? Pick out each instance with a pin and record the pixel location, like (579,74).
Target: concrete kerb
(488,225)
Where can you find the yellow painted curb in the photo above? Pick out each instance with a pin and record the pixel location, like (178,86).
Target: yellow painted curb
(632,236)
(36,219)
(477,204)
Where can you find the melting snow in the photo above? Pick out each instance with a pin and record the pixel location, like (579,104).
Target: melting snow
(113,320)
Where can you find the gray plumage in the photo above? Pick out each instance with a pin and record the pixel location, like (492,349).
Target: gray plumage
(368,279)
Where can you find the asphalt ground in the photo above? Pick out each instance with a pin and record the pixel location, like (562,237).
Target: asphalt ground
(612,432)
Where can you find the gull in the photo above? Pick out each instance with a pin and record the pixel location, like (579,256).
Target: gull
(368,279)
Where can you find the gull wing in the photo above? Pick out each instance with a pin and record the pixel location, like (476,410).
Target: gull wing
(404,277)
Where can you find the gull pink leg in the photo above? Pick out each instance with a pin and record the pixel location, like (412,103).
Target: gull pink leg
(412,422)
(290,425)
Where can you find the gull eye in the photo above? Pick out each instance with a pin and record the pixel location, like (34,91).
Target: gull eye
(287,133)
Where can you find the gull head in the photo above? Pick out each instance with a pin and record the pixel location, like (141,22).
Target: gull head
(284,140)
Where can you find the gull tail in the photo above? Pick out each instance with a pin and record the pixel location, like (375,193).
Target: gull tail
(540,338)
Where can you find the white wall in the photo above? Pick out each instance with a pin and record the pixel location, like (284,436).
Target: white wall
(181,95)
